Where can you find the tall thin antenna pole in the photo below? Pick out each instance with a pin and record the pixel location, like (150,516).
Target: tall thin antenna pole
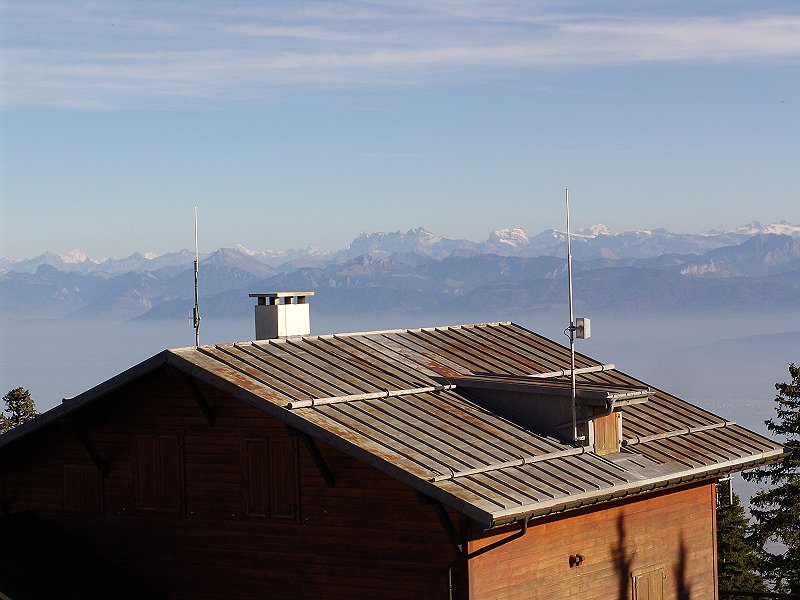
(571,327)
(196,311)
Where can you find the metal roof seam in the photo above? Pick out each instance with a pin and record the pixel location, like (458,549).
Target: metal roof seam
(518,349)
(475,430)
(507,350)
(399,440)
(342,371)
(231,365)
(281,358)
(376,440)
(439,436)
(518,462)
(417,352)
(382,366)
(468,360)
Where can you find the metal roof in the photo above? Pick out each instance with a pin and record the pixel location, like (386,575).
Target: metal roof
(397,400)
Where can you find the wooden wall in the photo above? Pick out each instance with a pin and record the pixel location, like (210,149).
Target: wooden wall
(212,535)
(666,537)
(366,537)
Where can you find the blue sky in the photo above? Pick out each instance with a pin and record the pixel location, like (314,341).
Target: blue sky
(297,123)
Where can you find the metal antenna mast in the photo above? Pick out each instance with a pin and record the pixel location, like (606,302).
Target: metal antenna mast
(582,328)
(196,311)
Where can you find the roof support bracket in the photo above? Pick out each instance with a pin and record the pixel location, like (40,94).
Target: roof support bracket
(445,520)
(465,556)
(200,399)
(316,456)
(83,434)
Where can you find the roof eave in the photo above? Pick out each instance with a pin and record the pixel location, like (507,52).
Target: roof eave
(501,518)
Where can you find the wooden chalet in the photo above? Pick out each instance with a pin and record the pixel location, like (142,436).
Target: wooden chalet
(419,463)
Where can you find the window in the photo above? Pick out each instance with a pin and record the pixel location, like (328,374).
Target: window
(648,584)
(80,488)
(270,478)
(157,473)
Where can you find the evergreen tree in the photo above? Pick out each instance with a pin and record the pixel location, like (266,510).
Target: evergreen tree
(737,561)
(776,511)
(20,408)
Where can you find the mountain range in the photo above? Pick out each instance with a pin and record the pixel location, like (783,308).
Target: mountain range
(752,267)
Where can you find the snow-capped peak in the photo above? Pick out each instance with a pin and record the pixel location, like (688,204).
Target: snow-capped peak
(424,236)
(784,227)
(595,230)
(756,227)
(150,255)
(510,237)
(74,256)
(244,250)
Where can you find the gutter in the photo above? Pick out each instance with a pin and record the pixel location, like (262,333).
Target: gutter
(652,485)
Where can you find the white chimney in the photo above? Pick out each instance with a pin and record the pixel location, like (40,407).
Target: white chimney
(282,314)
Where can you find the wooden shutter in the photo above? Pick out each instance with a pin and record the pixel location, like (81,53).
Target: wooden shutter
(80,488)
(256,494)
(649,585)
(283,478)
(158,473)
(271,478)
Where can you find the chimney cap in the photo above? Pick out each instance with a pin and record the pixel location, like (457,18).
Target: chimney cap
(282,314)
(280,294)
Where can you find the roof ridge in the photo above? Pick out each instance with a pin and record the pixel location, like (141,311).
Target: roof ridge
(324,336)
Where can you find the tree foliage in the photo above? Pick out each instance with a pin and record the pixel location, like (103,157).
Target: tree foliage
(776,511)
(738,562)
(20,407)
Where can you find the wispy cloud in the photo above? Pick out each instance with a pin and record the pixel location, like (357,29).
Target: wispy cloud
(151,53)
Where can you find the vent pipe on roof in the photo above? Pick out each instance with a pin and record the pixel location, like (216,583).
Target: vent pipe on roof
(282,314)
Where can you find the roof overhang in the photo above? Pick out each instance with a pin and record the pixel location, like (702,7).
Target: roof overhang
(592,394)
(679,478)
(75,403)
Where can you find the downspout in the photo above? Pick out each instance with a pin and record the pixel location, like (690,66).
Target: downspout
(609,409)
(465,556)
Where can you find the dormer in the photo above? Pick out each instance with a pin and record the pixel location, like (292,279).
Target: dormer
(544,405)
